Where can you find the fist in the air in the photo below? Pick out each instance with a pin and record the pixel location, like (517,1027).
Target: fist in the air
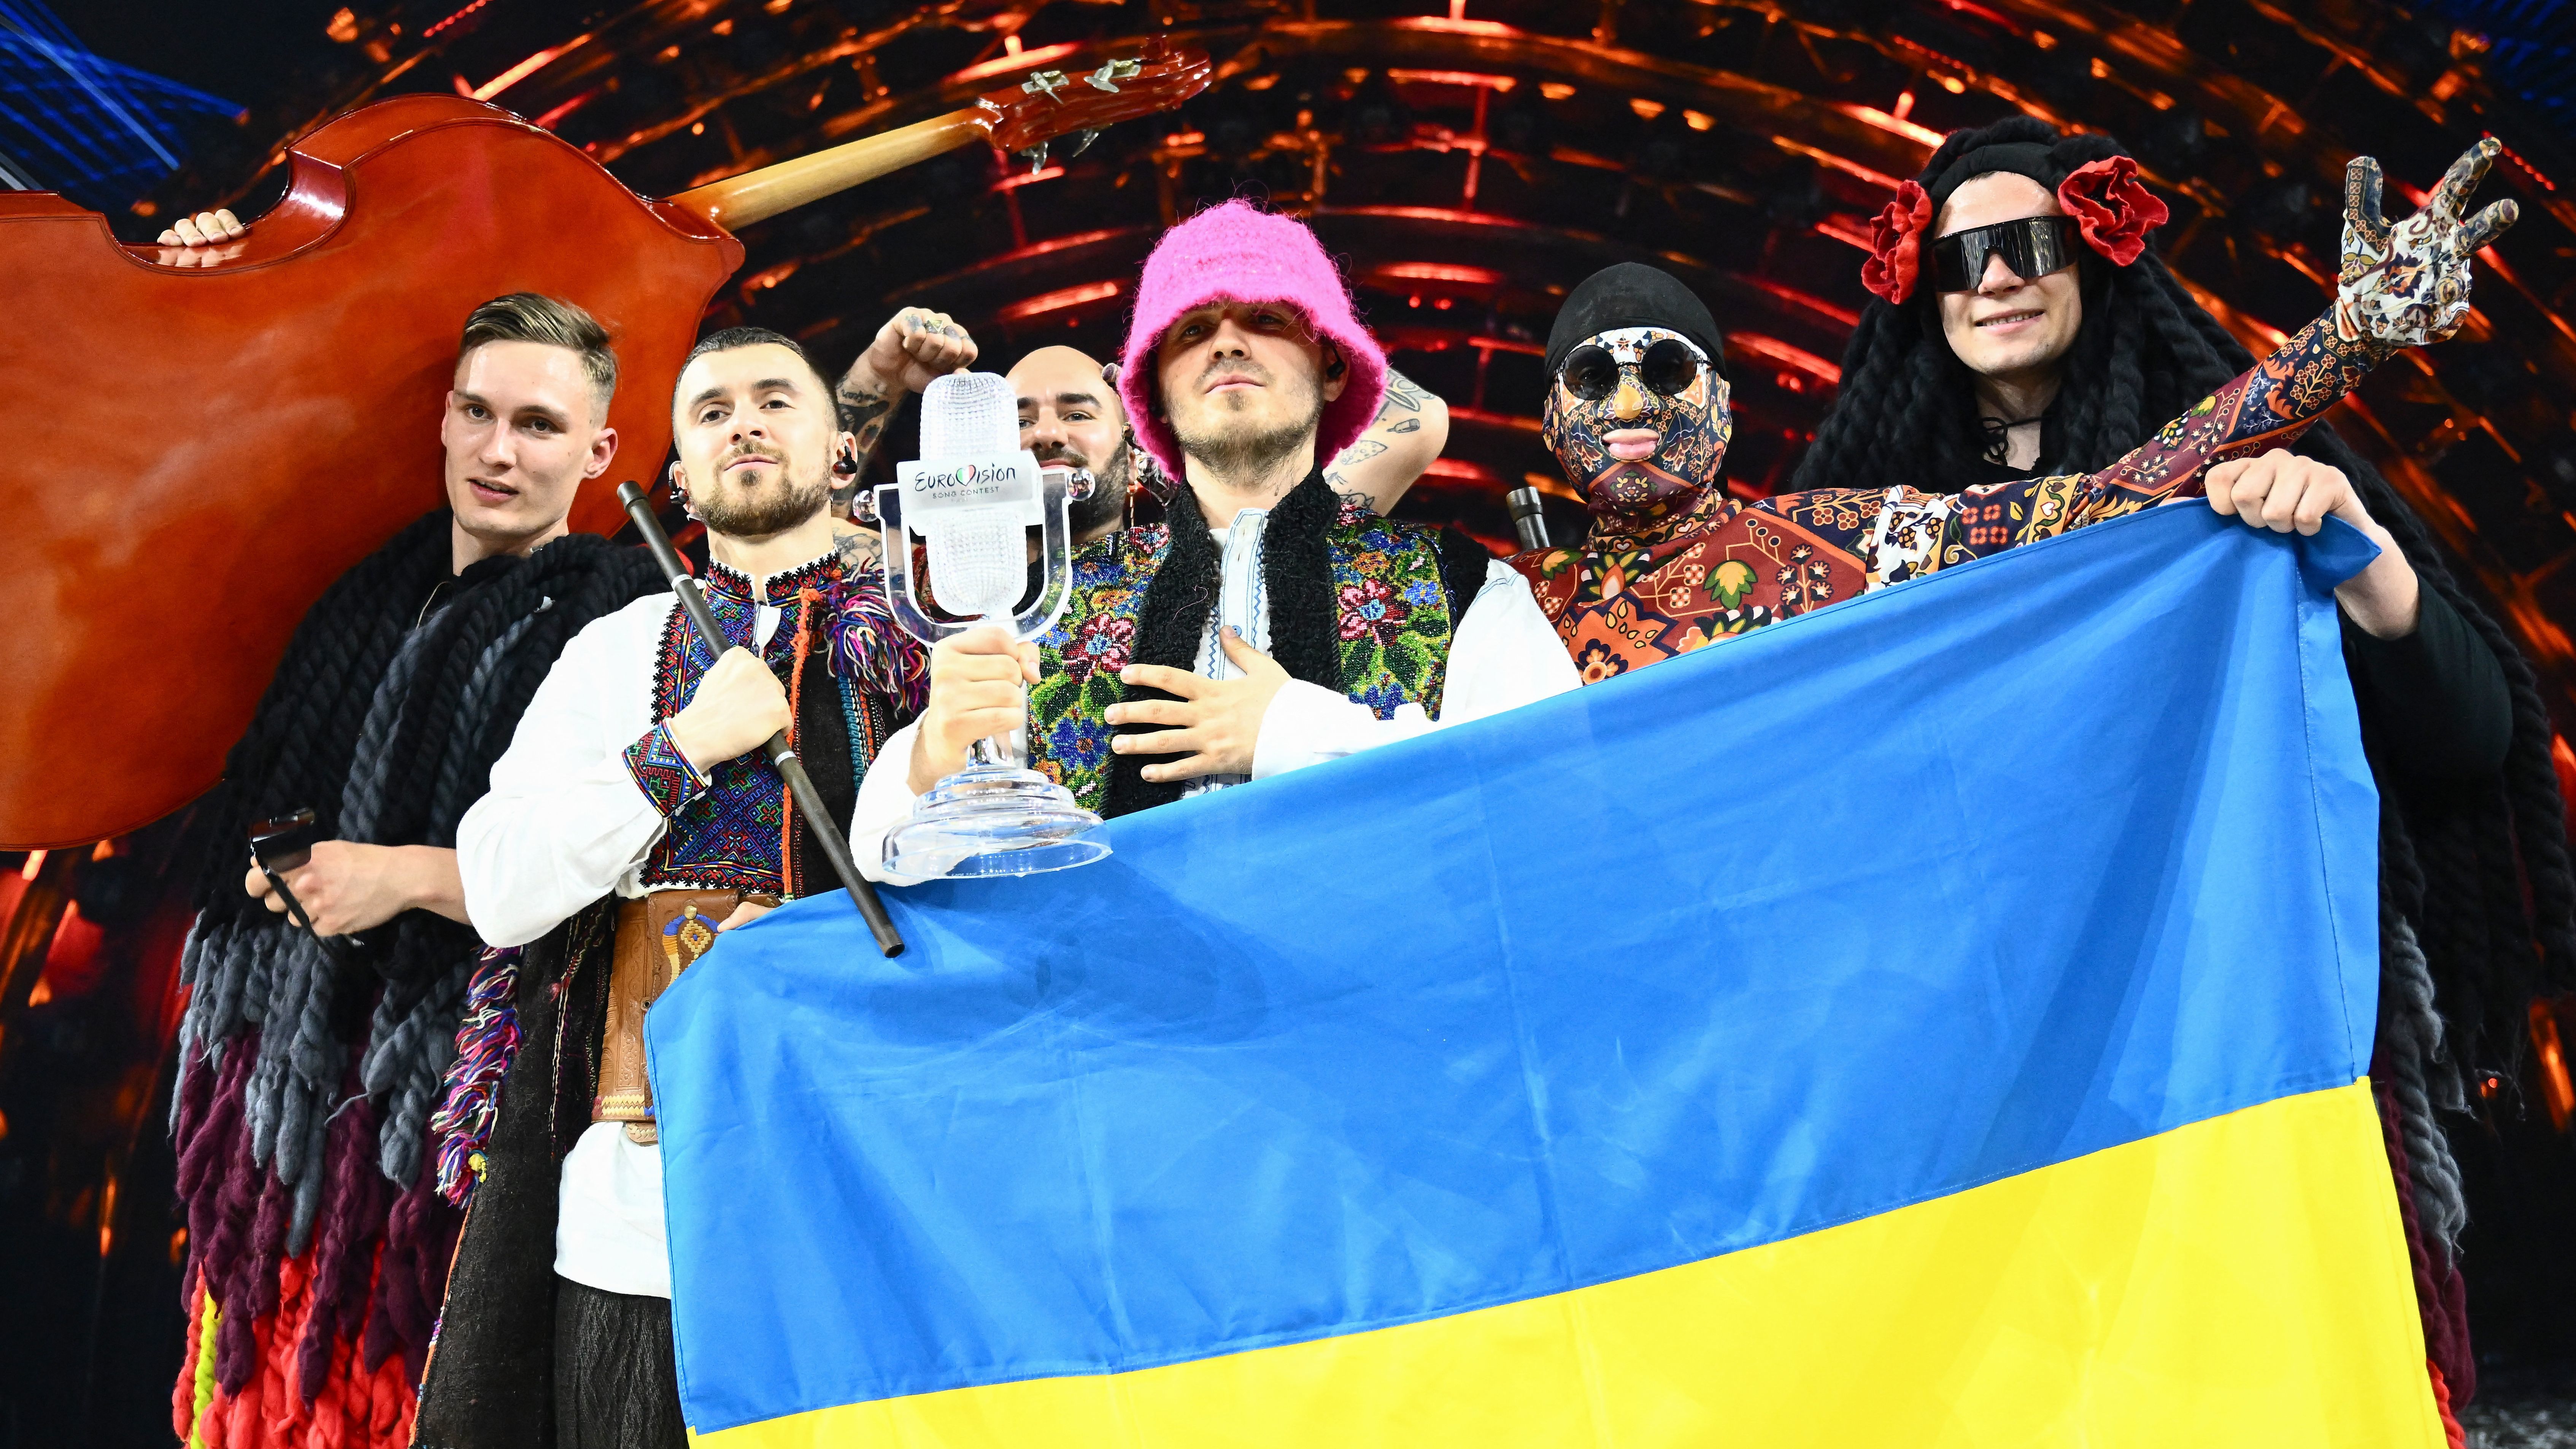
(916,345)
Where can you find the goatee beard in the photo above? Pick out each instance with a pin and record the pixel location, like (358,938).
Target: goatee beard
(1248,453)
(793,504)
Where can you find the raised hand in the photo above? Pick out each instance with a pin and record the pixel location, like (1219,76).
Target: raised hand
(916,345)
(2408,284)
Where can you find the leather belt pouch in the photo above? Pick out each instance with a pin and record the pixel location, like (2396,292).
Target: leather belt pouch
(658,936)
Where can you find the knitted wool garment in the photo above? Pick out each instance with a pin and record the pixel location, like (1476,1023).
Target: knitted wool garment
(1239,251)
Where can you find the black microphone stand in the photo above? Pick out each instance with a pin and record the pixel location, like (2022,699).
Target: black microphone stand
(800,786)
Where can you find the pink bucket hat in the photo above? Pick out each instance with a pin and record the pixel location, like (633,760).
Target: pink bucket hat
(1237,250)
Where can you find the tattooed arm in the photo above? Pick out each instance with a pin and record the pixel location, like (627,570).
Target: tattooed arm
(861,549)
(1410,429)
(914,346)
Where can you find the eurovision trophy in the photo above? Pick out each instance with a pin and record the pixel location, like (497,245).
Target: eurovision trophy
(971,499)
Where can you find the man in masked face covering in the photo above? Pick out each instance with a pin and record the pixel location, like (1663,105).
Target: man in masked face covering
(1637,415)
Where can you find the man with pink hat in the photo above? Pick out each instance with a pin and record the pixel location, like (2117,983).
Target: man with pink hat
(1070,414)
(1268,624)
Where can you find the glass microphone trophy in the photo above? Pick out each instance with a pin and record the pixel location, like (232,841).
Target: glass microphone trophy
(971,499)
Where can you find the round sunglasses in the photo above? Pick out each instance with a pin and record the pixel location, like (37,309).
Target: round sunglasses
(2032,247)
(1669,367)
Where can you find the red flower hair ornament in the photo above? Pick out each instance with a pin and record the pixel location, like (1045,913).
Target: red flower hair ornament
(1896,244)
(2113,211)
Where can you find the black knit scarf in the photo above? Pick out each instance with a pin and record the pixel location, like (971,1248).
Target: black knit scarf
(384,719)
(390,766)
(296,751)
(460,711)
(1296,570)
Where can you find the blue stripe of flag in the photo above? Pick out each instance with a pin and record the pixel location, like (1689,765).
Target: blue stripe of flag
(2048,853)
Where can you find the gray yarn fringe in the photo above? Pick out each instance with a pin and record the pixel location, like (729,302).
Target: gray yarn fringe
(2421,1077)
(411,1042)
(294,1085)
(262,974)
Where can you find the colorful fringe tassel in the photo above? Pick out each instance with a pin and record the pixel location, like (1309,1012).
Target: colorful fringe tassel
(870,647)
(486,1042)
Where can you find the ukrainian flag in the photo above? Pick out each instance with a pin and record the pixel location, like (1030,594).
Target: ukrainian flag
(1935,1021)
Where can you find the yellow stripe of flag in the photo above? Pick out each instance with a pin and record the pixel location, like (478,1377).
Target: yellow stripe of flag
(2241,1281)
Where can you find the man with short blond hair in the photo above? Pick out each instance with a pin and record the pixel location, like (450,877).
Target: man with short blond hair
(309,1067)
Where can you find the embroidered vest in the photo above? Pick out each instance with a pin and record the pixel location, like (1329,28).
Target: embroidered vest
(737,835)
(1392,630)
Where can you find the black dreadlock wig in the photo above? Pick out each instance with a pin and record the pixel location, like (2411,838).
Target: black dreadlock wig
(2145,353)
(2479,904)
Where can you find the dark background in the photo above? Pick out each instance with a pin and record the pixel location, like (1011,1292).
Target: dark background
(1468,163)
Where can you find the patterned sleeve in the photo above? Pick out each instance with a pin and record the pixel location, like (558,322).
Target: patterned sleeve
(2266,407)
(664,774)
(1889,534)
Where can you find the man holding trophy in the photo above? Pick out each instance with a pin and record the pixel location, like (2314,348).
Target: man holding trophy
(1268,624)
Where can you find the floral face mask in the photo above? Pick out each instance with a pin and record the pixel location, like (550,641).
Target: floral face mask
(1639,421)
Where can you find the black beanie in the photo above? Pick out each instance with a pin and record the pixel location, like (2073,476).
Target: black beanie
(1632,294)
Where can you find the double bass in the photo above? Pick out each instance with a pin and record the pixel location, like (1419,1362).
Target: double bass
(204,438)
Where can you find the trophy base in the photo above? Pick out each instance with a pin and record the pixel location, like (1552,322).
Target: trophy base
(991,820)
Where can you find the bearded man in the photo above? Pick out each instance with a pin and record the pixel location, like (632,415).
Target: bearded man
(1269,624)
(318,1245)
(633,819)
(1070,418)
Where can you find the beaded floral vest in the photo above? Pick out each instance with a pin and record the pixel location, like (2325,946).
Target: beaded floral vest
(1391,631)
(852,678)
